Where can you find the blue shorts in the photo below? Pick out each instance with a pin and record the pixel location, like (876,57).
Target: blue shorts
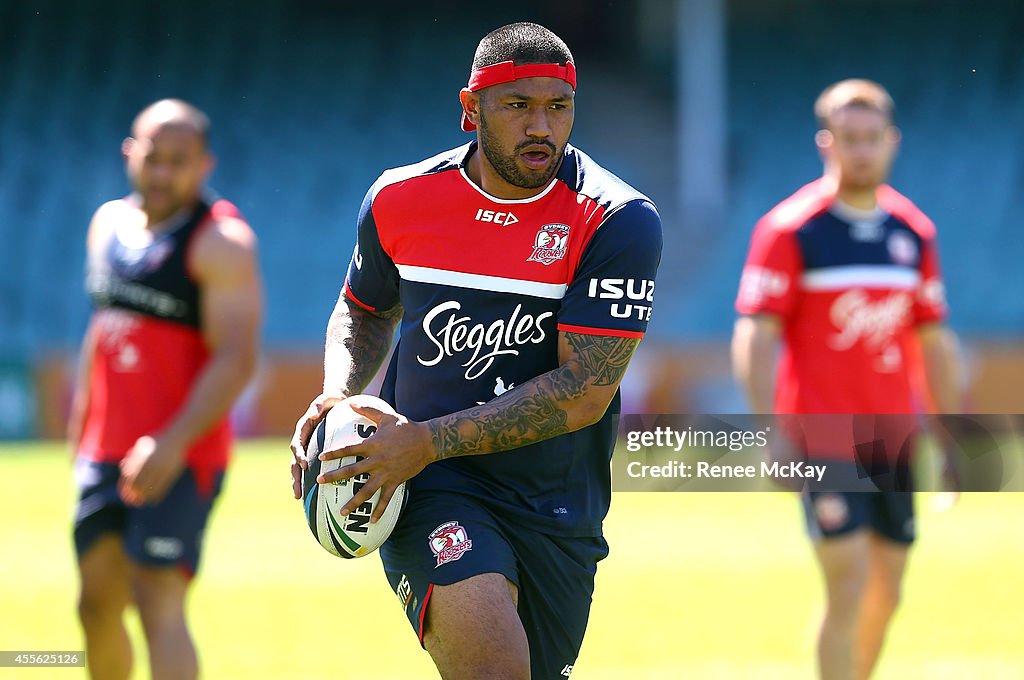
(167,534)
(444,539)
(830,514)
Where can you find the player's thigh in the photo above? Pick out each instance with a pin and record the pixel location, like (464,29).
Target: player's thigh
(170,533)
(556,588)
(473,630)
(441,539)
(105,577)
(450,546)
(888,565)
(845,564)
(159,594)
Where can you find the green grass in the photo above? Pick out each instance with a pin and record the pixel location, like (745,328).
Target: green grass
(696,586)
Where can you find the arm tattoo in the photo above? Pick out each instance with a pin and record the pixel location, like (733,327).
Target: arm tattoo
(357,343)
(605,358)
(538,409)
(507,422)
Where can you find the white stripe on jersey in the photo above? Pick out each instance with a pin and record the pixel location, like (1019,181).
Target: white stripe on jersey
(861,276)
(495,199)
(497,284)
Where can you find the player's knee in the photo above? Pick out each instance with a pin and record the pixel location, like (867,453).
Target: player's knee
(160,601)
(503,667)
(493,658)
(510,669)
(91,609)
(845,594)
(846,582)
(96,607)
(104,592)
(889,599)
(100,601)
(895,596)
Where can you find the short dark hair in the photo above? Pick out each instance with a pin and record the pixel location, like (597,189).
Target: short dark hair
(521,43)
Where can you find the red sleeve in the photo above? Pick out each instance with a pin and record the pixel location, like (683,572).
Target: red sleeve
(222,209)
(930,297)
(612,290)
(771,275)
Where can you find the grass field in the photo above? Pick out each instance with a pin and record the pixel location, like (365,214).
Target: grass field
(696,586)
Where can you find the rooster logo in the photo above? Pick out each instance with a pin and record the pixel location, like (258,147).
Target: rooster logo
(448,542)
(499,389)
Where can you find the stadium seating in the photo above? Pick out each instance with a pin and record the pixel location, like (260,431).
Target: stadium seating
(309,104)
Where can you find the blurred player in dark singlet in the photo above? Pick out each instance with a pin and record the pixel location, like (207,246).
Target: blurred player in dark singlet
(844,275)
(523,276)
(173,340)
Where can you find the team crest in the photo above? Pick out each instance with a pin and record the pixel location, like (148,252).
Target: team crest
(831,511)
(902,249)
(449,542)
(550,244)
(157,254)
(137,261)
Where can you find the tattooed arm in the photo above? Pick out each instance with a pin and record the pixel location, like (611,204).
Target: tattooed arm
(357,343)
(572,396)
(568,398)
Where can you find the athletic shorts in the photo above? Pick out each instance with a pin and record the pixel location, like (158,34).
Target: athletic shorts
(167,534)
(830,514)
(444,539)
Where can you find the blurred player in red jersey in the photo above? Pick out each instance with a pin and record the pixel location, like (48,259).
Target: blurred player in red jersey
(173,277)
(843,278)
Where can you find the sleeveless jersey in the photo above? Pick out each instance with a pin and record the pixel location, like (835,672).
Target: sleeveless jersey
(147,339)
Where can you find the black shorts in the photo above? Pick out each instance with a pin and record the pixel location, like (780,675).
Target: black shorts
(444,539)
(890,514)
(169,533)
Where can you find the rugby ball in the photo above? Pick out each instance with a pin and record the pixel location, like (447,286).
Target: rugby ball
(351,536)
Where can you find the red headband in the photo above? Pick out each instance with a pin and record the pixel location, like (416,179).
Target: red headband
(507,71)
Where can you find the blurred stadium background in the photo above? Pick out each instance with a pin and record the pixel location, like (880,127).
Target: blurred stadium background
(703,104)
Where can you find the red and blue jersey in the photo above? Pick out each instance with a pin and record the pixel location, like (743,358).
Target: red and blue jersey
(486,285)
(148,348)
(849,286)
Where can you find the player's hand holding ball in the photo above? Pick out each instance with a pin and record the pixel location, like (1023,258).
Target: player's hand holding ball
(353,491)
(304,428)
(398,450)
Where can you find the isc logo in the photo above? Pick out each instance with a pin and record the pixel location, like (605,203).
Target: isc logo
(502,218)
